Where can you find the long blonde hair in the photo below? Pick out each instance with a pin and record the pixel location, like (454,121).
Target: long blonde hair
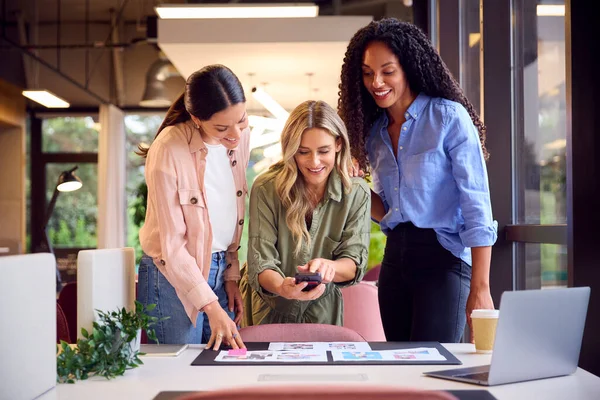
(289,183)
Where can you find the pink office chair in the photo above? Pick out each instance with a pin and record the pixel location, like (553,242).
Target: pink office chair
(372,275)
(361,311)
(67,299)
(297,392)
(62,327)
(299,333)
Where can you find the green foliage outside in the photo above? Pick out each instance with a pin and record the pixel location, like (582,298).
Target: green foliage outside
(140,129)
(73,222)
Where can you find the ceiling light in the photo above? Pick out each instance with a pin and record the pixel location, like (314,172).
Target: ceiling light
(46,98)
(550,10)
(270,104)
(155,93)
(203,11)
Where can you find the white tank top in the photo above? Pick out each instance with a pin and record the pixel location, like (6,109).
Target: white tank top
(220,194)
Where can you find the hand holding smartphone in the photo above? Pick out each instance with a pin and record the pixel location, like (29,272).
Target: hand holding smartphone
(313,279)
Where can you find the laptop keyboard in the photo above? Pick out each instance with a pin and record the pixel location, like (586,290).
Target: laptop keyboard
(478,376)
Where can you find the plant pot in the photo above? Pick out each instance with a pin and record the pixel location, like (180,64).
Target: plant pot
(132,347)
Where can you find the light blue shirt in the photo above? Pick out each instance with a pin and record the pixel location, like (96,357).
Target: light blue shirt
(439,179)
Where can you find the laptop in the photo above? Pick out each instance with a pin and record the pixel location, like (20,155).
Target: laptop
(538,336)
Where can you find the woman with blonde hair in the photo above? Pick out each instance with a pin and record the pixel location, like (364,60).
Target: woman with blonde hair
(307,215)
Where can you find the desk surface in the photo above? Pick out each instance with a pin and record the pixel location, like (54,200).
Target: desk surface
(175,373)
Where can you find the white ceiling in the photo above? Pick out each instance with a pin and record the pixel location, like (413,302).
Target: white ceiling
(278,52)
(280,67)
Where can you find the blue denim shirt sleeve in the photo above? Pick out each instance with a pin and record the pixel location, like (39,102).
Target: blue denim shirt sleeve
(463,146)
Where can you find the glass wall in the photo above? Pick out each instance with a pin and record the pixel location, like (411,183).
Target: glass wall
(542,143)
(70,135)
(522,45)
(140,129)
(59,143)
(73,222)
(472,53)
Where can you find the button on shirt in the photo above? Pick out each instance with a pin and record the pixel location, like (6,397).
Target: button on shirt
(439,178)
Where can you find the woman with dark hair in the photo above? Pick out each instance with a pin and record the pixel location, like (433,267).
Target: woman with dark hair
(413,129)
(196,176)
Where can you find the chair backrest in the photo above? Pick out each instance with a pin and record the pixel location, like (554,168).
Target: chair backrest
(62,328)
(308,392)
(299,333)
(67,300)
(361,311)
(105,281)
(28,334)
(372,275)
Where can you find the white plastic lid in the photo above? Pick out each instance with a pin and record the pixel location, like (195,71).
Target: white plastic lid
(485,313)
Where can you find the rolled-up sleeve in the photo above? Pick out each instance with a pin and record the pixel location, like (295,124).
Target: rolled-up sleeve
(470,174)
(176,263)
(262,239)
(357,234)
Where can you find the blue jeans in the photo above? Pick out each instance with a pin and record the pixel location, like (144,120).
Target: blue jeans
(423,288)
(153,288)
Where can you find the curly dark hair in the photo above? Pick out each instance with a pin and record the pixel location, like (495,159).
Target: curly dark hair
(425,72)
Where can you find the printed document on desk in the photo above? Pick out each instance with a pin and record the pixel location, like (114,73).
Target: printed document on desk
(268,356)
(320,346)
(416,354)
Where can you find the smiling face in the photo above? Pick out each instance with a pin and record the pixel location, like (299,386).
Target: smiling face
(384,77)
(315,157)
(224,127)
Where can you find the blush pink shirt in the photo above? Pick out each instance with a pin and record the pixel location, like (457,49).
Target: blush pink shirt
(177,233)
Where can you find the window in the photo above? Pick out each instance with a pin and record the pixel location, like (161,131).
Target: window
(58,142)
(140,129)
(70,135)
(542,143)
(73,221)
(471,52)
(546,265)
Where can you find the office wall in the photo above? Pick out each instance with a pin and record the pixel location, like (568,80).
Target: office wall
(12,163)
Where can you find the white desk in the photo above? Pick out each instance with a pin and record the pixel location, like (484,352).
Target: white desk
(175,373)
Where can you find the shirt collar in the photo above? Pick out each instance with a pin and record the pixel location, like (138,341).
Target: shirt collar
(196,143)
(414,110)
(417,106)
(334,186)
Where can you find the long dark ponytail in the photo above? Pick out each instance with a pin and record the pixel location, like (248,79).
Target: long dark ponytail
(207,91)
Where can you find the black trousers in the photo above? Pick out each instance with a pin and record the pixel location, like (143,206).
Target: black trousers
(423,288)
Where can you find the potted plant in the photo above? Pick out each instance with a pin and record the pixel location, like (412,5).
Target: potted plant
(110,348)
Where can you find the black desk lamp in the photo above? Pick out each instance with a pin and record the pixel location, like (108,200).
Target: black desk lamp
(67,182)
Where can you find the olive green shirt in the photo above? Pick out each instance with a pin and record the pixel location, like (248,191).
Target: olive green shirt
(340,228)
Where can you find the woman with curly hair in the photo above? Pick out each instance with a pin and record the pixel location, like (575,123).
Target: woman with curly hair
(307,215)
(412,128)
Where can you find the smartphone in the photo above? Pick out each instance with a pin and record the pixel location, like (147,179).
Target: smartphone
(313,279)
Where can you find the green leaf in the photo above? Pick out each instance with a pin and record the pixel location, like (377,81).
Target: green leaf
(105,351)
